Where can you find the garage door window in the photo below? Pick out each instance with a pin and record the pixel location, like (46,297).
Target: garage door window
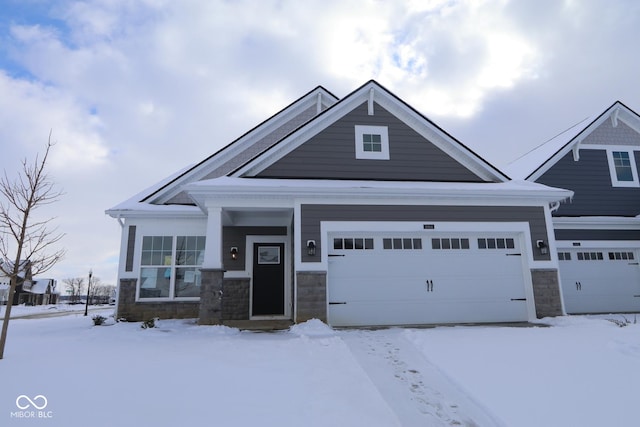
(590,256)
(496,243)
(352,243)
(447,243)
(621,255)
(401,243)
(564,256)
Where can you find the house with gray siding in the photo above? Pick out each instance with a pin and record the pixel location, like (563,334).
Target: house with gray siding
(597,233)
(358,211)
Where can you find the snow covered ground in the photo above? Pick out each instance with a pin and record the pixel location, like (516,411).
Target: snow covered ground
(579,371)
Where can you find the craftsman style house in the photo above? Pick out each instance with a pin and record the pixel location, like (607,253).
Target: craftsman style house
(598,233)
(356,211)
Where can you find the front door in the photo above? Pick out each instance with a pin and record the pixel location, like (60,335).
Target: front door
(268,279)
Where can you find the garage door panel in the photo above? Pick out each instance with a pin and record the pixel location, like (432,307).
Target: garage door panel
(435,279)
(600,280)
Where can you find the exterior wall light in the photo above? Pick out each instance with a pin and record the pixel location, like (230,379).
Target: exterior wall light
(234,253)
(311,247)
(542,246)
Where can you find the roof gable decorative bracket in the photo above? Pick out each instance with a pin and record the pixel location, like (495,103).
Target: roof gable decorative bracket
(370,103)
(319,103)
(614,117)
(576,151)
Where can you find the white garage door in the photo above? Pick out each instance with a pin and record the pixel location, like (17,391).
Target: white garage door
(405,279)
(602,280)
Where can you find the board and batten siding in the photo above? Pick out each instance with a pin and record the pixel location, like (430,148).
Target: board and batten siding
(590,180)
(331,154)
(313,215)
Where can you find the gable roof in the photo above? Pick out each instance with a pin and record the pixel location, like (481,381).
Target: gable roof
(247,145)
(373,93)
(536,162)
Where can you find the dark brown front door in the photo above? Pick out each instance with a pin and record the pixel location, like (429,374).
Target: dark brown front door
(268,279)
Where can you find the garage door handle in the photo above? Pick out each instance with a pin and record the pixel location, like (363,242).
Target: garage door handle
(578,286)
(518,299)
(429,285)
(336,303)
(633,263)
(514,254)
(336,254)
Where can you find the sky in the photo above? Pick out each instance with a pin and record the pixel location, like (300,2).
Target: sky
(134,90)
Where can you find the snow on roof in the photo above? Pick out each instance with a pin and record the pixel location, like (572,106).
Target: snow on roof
(526,164)
(39,286)
(324,188)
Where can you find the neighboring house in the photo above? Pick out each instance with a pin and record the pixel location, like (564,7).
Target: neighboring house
(24,275)
(358,211)
(38,291)
(598,232)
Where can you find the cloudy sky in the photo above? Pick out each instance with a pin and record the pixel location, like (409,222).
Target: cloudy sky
(134,90)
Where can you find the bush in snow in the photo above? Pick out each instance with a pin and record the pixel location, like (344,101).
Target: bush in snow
(151,323)
(98,320)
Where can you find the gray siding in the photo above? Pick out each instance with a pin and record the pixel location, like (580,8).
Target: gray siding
(131,243)
(252,150)
(313,215)
(237,236)
(606,134)
(597,234)
(590,180)
(331,154)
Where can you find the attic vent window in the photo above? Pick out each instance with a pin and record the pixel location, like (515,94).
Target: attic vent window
(622,167)
(372,142)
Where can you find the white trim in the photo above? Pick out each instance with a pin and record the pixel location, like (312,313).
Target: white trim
(383,131)
(370,102)
(598,244)
(596,223)
(250,240)
(612,168)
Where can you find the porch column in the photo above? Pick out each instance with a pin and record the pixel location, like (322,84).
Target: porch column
(213,246)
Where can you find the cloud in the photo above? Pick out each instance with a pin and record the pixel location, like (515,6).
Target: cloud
(135,90)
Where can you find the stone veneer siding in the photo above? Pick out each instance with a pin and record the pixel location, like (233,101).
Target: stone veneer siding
(211,295)
(546,292)
(235,299)
(311,296)
(134,311)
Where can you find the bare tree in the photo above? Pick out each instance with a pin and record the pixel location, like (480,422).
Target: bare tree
(101,292)
(23,239)
(75,288)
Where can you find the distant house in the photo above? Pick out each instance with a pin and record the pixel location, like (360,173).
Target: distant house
(597,235)
(39,291)
(356,211)
(24,274)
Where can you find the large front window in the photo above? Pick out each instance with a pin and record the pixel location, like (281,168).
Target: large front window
(170,266)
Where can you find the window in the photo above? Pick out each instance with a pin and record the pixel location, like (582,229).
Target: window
(622,167)
(497,243)
(450,243)
(400,243)
(564,256)
(625,256)
(372,142)
(350,243)
(170,266)
(590,256)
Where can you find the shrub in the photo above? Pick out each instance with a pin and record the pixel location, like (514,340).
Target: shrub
(98,320)
(151,323)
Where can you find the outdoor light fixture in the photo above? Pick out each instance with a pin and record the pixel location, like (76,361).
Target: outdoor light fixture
(544,249)
(311,247)
(234,253)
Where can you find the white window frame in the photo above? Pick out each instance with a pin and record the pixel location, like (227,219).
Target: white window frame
(173,266)
(612,168)
(383,131)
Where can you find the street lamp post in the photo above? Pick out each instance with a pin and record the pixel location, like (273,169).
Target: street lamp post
(86,307)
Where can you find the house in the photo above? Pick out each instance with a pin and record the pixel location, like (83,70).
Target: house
(38,291)
(24,277)
(598,233)
(357,211)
